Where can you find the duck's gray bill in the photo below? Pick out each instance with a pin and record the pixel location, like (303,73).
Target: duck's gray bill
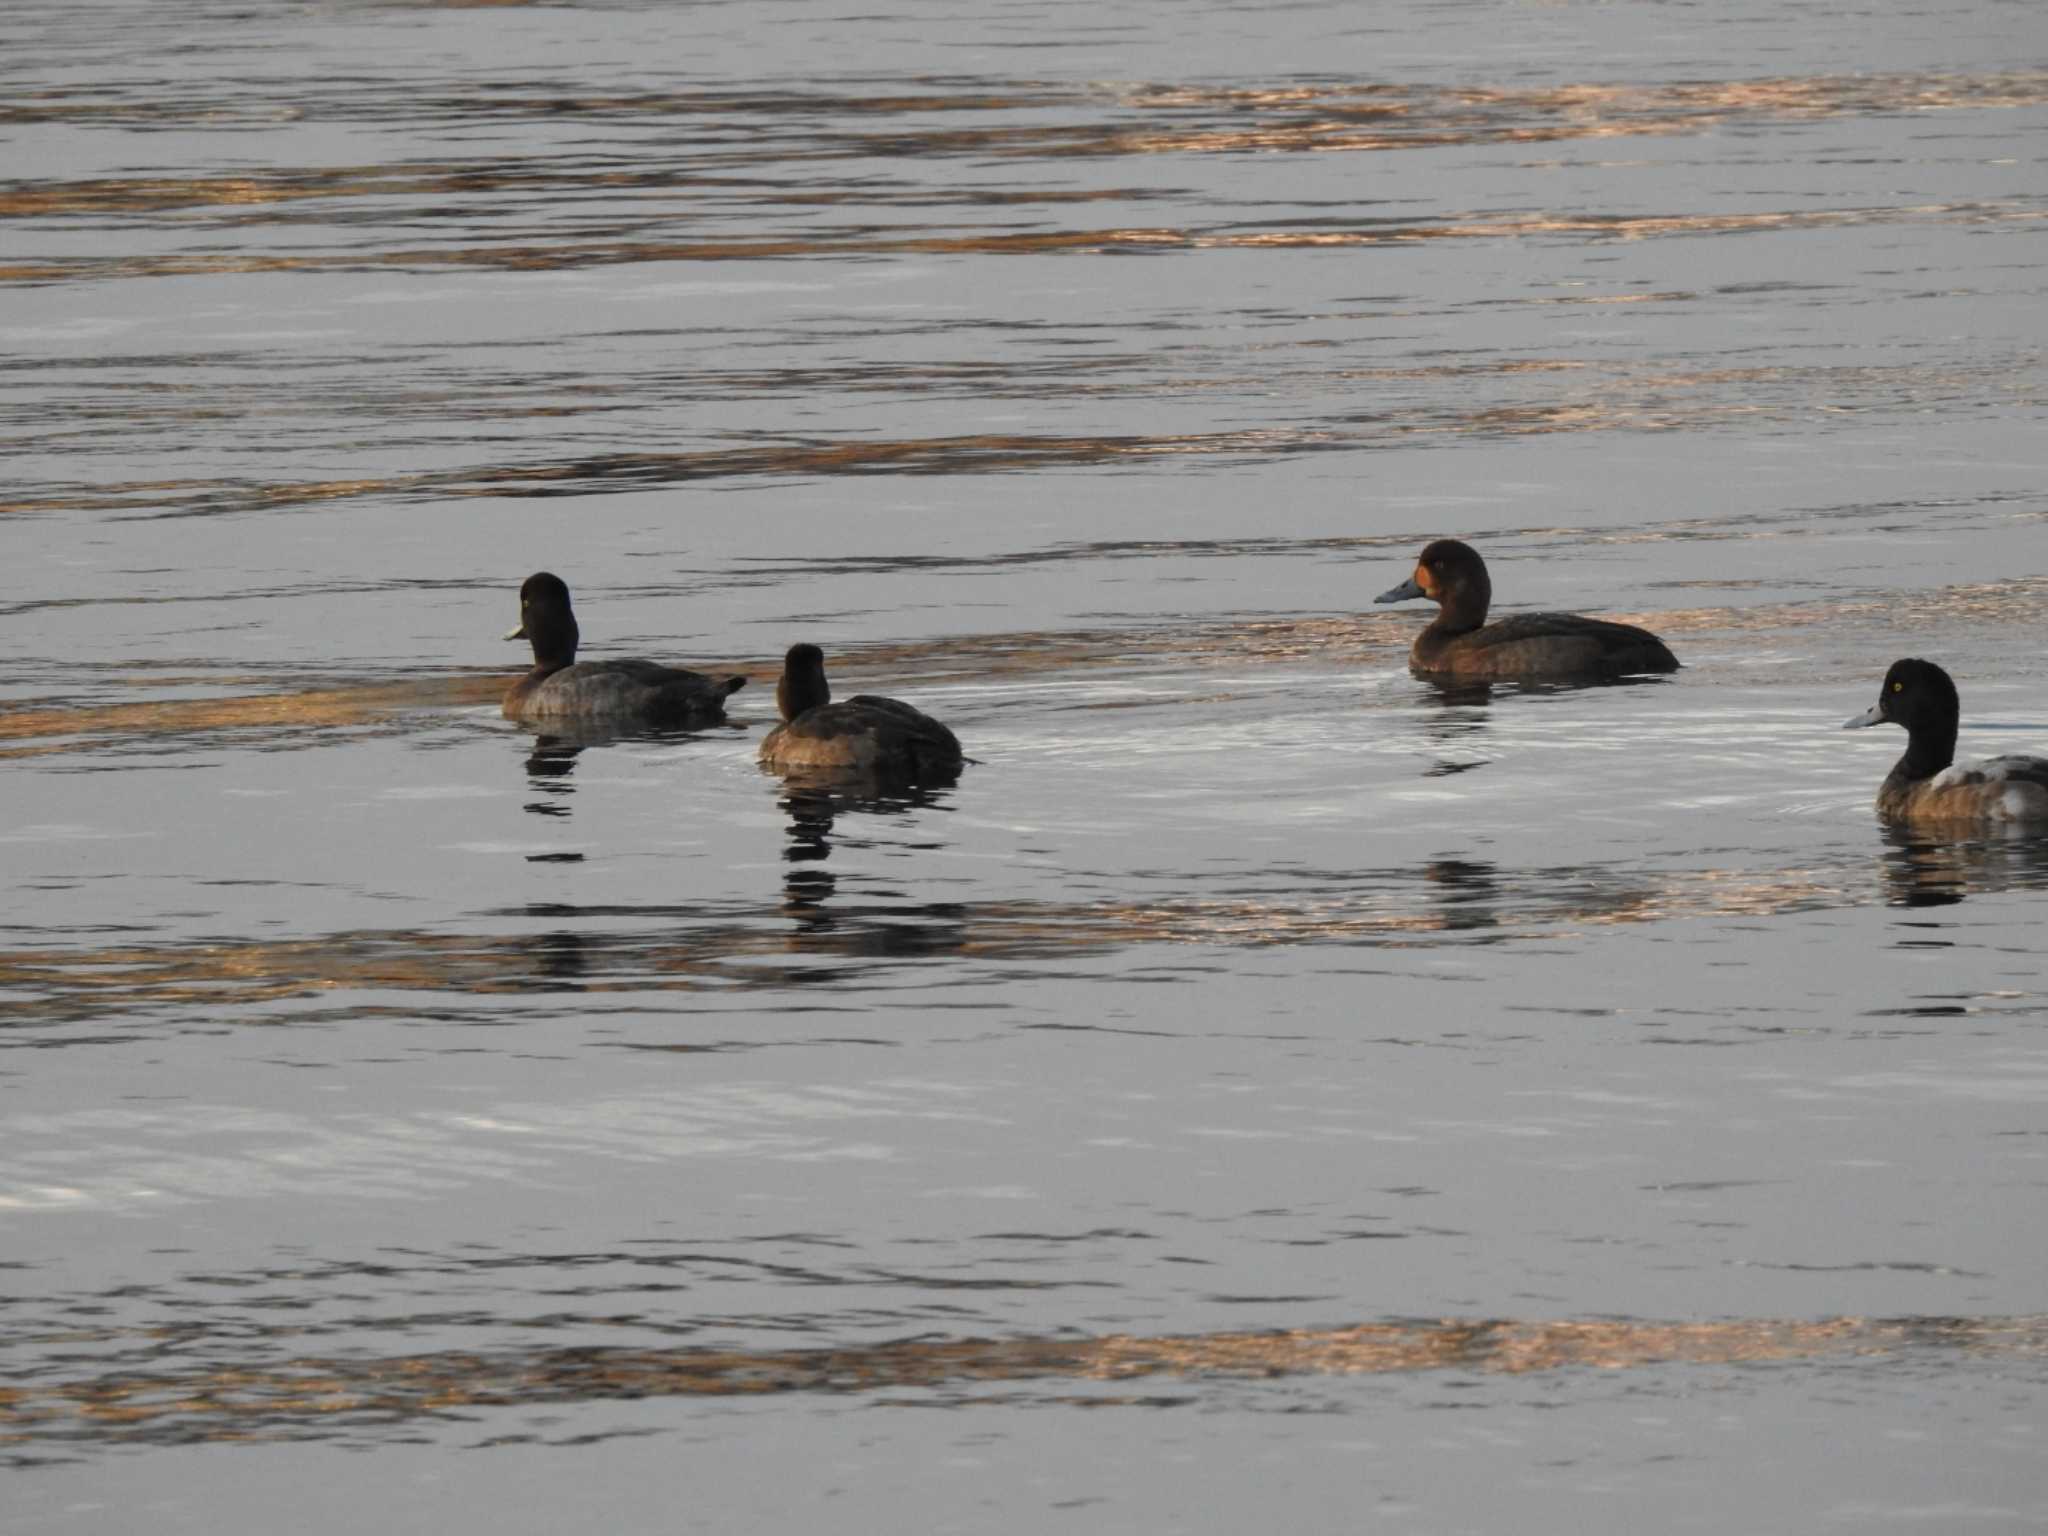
(1871,716)
(1400,594)
(517,634)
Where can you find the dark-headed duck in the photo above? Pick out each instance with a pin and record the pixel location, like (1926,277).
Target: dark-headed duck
(1460,643)
(866,736)
(1928,784)
(562,688)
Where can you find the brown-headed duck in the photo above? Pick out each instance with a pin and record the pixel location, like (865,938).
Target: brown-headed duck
(1460,643)
(1928,784)
(866,736)
(561,688)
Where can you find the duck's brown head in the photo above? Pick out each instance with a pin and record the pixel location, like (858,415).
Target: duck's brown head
(803,684)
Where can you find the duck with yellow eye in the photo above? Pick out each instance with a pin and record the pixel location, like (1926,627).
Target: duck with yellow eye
(1524,646)
(1928,784)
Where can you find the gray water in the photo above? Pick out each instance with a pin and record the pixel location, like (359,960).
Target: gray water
(1267,1087)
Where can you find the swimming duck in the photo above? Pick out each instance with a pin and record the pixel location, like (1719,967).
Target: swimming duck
(1460,642)
(1928,784)
(561,688)
(868,736)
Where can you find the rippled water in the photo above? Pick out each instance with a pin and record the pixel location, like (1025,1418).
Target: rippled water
(1498,1109)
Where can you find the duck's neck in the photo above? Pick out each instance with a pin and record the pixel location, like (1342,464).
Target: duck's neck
(798,692)
(1929,749)
(1462,608)
(554,645)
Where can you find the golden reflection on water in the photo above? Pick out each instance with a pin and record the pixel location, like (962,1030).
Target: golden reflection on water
(976,453)
(569,255)
(1110,121)
(2020,603)
(34,729)
(295,1400)
(1657,398)
(1602,109)
(738,948)
(37,729)
(45,729)
(159,194)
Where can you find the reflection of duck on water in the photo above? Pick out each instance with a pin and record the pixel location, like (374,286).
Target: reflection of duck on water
(1458,722)
(1459,719)
(805,888)
(1928,871)
(552,759)
(815,808)
(1468,892)
(559,956)
(811,814)
(810,893)
(548,766)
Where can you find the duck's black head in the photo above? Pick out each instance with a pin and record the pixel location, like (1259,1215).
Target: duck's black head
(546,619)
(1921,697)
(803,684)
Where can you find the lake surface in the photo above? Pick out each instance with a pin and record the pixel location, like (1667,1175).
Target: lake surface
(1267,1086)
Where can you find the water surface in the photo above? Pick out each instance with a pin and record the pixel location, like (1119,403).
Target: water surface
(1521,1107)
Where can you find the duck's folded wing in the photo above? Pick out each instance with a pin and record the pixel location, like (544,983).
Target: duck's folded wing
(1542,626)
(2013,788)
(1544,645)
(902,717)
(2015,769)
(652,674)
(629,686)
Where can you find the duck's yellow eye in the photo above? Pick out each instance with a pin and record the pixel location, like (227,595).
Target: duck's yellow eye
(1898,687)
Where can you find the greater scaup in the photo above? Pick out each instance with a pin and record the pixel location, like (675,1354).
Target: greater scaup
(612,692)
(1460,643)
(866,736)
(1928,784)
